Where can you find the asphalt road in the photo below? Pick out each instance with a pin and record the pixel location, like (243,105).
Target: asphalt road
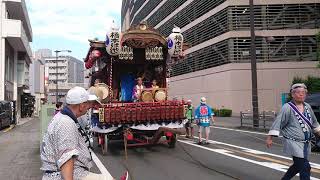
(232,154)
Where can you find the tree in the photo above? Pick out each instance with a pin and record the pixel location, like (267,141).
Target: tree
(312,83)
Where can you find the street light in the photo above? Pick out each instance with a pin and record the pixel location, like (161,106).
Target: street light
(57,52)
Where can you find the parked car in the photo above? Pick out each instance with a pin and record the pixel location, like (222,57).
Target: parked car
(314,101)
(5,114)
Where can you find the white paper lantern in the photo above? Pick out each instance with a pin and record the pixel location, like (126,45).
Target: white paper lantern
(175,42)
(113,41)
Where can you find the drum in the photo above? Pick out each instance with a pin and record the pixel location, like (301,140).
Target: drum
(160,95)
(104,88)
(146,96)
(96,91)
(101,90)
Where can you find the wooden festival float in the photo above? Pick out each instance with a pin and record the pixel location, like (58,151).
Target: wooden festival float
(117,62)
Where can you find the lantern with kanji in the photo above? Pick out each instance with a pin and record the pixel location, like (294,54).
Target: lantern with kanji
(113,41)
(175,43)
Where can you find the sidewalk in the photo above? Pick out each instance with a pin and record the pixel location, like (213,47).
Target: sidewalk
(235,123)
(228,122)
(19,149)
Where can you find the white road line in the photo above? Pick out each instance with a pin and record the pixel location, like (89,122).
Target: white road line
(253,151)
(274,166)
(100,166)
(238,130)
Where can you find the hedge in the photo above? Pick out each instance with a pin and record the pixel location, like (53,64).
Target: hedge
(222,112)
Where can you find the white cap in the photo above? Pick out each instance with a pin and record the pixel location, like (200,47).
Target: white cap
(92,97)
(203,100)
(77,95)
(189,101)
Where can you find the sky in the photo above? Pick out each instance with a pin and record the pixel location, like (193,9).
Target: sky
(68,24)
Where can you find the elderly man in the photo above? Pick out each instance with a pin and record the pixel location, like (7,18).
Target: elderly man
(203,116)
(65,146)
(296,122)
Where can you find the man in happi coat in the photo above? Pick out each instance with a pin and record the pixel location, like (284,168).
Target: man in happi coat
(203,116)
(296,122)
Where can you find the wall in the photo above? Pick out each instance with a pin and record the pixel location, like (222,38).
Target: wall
(230,85)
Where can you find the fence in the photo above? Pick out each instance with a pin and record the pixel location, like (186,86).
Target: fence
(266,119)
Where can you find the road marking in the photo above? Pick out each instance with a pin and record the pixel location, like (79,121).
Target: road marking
(271,165)
(8,129)
(100,166)
(238,130)
(267,159)
(314,165)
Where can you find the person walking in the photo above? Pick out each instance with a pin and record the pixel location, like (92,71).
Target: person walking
(296,122)
(65,148)
(203,116)
(189,116)
(58,108)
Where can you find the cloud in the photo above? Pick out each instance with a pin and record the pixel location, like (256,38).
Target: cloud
(75,20)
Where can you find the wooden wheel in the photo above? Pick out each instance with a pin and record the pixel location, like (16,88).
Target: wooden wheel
(172,142)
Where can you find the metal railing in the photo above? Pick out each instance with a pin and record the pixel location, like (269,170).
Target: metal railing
(266,119)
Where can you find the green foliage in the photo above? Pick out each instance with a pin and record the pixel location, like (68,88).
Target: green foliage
(312,83)
(222,112)
(318,47)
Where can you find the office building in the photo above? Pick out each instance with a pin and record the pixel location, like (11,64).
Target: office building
(218,62)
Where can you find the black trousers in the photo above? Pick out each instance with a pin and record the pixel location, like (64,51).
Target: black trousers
(300,165)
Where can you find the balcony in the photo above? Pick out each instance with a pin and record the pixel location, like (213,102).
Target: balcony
(16,35)
(18,10)
(67,86)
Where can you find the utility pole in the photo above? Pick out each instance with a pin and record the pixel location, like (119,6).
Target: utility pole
(254,81)
(57,87)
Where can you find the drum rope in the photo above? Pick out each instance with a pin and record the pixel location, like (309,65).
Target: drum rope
(110,78)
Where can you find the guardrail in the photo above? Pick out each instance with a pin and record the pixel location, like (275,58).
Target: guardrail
(266,119)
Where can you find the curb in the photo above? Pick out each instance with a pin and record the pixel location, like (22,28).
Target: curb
(9,128)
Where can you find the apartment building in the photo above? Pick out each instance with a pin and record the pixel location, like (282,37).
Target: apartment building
(15,51)
(67,71)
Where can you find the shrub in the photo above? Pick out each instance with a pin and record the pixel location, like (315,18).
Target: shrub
(312,83)
(225,112)
(222,112)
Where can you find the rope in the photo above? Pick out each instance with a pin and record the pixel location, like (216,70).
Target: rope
(205,166)
(110,78)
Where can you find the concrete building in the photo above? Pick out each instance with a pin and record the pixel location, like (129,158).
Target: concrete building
(70,72)
(42,53)
(15,51)
(37,83)
(218,62)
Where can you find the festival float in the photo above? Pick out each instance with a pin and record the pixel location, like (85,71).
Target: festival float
(139,114)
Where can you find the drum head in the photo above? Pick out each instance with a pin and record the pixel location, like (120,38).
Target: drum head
(96,91)
(104,89)
(160,96)
(146,96)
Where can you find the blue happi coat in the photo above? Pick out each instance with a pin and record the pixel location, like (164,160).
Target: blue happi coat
(203,114)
